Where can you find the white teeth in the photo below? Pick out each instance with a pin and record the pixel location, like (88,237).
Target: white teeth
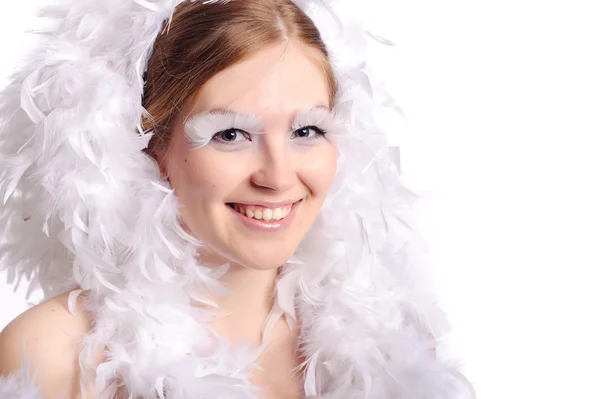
(267,215)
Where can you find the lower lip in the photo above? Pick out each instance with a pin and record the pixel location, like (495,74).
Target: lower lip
(272,226)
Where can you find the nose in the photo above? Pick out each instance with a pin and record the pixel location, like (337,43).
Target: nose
(276,171)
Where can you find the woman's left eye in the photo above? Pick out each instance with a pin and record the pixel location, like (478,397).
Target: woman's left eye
(308,132)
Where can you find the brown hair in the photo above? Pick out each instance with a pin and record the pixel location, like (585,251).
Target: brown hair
(204,39)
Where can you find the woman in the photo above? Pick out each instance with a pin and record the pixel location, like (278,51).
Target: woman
(247,239)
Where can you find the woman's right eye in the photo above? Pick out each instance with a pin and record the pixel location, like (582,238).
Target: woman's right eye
(231,136)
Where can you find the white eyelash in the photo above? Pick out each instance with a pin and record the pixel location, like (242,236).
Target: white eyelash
(321,118)
(200,129)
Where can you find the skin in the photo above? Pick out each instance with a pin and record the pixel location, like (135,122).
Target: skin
(48,336)
(274,85)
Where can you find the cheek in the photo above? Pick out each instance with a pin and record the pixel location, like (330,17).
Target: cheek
(204,177)
(195,180)
(318,173)
(202,182)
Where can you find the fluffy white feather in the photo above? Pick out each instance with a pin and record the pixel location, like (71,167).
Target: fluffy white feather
(20,385)
(83,206)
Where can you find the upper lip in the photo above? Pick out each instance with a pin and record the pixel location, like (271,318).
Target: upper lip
(267,204)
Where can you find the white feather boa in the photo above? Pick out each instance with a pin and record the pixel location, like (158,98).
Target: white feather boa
(83,206)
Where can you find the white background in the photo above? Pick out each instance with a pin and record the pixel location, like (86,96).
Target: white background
(502,132)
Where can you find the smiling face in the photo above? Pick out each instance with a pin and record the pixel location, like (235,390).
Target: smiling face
(248,159)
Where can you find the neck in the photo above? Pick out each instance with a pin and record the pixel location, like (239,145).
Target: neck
(249,304)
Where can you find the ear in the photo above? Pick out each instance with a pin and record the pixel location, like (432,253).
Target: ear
(161,158)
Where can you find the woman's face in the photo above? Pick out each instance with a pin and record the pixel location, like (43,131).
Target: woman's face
(248,160)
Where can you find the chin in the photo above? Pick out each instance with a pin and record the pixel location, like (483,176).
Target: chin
(263,260)
(255,256)
(259,263)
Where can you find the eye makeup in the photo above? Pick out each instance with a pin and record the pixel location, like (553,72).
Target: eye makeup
(320,117)
(201,128)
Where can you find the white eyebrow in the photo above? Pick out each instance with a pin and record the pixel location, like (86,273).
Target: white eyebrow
(321,117)
(317,116)
(200,128)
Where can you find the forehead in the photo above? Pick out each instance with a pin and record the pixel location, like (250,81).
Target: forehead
(278,81)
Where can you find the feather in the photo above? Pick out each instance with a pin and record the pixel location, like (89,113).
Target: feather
(20,385)
(84,207)
(72,301)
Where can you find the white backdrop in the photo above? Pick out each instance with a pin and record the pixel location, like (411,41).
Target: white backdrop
(502,131)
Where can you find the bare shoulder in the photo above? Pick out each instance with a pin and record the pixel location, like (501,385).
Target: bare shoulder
(48,336)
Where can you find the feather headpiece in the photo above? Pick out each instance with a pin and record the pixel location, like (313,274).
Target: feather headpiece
(85,208)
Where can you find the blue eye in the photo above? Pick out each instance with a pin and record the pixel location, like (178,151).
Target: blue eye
(231,136)
(309,132)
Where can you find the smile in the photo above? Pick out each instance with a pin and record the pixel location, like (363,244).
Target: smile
(263,213)
(258,217)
